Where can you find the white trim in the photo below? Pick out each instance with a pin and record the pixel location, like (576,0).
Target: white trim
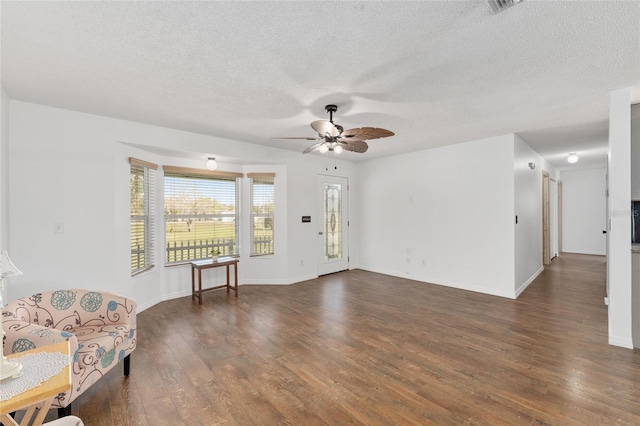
(446,283)
(149,304)
(584,252)
(624,342)
(524,286)
(278,281)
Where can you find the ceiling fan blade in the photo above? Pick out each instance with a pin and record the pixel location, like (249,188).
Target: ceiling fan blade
(325,128)
(302,138)
(355,146)
(365,133)
(313,147)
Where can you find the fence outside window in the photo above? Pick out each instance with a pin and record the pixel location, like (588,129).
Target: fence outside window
(185,251)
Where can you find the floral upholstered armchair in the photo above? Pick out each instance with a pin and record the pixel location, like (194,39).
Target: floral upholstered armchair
(100,328)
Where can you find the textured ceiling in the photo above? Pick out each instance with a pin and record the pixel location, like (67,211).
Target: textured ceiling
(435,73)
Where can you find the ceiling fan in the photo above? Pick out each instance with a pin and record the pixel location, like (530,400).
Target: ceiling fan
(333,137)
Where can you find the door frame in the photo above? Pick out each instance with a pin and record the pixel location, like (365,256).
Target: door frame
(546,237)
(559,220)
(553,219)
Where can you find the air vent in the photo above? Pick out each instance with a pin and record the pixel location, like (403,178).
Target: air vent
(500,5)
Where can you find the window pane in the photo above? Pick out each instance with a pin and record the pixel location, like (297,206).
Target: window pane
(141,185)
(332,222)
(262,216)
(201,216)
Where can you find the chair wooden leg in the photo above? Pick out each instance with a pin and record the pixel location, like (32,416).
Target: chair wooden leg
(64,411)
(127,364)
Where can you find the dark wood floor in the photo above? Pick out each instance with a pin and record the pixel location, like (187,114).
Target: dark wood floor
(364,348)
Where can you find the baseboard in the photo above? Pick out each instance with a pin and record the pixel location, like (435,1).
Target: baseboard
(263,282)
(625,342)
(445,283)
(287,281)
(187,292)
(584,252)
(149,304)
(163,298)
(524,286)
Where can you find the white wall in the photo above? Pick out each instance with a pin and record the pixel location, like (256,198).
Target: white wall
(528,208)
(72,168)
(584,211)
(619,243)
(443,215)
(4,169)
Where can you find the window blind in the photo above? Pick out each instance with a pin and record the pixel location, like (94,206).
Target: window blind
(262,213)
(142,188)
(202,214)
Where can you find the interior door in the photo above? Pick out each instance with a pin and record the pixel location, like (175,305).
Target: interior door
(333,235)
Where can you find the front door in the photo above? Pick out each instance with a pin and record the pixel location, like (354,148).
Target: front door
(333,234)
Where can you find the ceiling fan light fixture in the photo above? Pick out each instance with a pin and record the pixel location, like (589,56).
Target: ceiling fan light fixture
(333,137)
(211,163)
(573,158)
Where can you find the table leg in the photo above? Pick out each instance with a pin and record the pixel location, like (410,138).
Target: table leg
(42,412)
(200,286)
(193,283)
(235,269)
(228,283)
(6,419)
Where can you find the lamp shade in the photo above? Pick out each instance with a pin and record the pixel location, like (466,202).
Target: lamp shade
(338,149)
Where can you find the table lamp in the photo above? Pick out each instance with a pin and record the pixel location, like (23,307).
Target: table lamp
(7,269)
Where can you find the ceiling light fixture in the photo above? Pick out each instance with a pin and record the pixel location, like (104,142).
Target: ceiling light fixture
(338,149)
(211,163)
(573,158)
(323,149)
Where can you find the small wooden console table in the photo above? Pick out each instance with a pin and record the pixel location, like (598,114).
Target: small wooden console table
(210,263)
